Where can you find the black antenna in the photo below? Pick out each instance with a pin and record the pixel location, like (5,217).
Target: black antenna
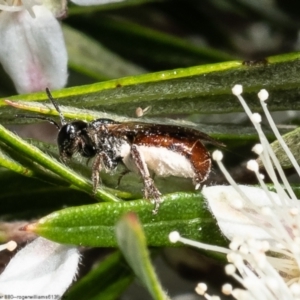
(62,119)
(39,118)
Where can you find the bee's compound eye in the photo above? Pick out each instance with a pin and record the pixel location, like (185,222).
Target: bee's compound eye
(70,130)
(66,137)
(66,133)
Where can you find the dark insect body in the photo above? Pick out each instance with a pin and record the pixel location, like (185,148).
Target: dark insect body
(164,149)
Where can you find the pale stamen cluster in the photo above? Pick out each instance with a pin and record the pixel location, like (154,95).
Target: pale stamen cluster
(268,269)
(281,218)
(255,271)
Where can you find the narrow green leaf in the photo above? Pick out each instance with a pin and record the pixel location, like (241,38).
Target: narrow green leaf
(104,282)
(202,89)
(292,139)
(75,9)
(9,163)
(133,244)
(94,225)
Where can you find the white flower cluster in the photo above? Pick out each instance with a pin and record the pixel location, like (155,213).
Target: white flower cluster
(263,226)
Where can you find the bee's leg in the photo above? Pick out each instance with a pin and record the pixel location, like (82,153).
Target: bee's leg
(150,190)
(200,177)
(101,159)
(95,171)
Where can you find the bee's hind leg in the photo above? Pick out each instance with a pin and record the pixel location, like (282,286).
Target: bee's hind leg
(150,190)
(96,168)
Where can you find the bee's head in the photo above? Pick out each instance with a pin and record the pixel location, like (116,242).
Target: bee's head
(70,139)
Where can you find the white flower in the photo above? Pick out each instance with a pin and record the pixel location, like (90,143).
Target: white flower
(41,268)
(32,49)
(263,226)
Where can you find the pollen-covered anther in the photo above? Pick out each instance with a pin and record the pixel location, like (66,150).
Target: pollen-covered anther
(244,249)
(240,294)
(230,269)
(10,246)
(236,243)
(254,244)
(235,259)
(237,90)
(201,288)
(256,118)
(227,289)
(231,257)
(217,155)
(174,237)
(252,165)
(263,95)
(294,211)
(258,149)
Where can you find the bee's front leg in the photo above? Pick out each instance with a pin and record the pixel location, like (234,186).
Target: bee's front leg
(101,159)
(150,190)
(96,168)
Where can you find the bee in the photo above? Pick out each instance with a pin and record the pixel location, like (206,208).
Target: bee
(166,150)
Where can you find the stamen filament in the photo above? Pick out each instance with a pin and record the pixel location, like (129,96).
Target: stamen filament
(198,244)
(228,176)
(279,137)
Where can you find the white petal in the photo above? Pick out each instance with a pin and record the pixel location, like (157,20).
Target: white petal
(224,204)
(32,50)
(94,2)
(41,268)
